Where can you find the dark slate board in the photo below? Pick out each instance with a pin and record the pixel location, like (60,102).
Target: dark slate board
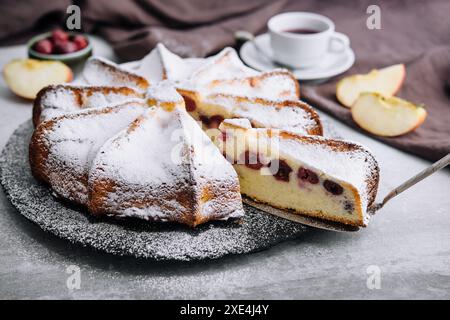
(141,239)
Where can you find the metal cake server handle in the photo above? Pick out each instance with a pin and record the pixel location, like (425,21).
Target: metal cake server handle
(438,165)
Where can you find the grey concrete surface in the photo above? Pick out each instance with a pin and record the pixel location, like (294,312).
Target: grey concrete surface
(409,241)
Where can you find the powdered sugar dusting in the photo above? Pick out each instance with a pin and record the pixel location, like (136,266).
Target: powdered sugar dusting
(267,114)
(62,99)
(225,65)
(102,72)
(192,73)
(275,85)
(164,91)
(161,64)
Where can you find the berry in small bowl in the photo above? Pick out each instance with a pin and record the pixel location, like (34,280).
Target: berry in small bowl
(67,47)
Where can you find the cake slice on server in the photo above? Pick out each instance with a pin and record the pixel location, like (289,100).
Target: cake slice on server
(163,167)
(62,148)
(222,87)
(53,101)
(310,175)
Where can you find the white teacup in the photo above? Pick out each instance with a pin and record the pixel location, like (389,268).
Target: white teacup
(302,39)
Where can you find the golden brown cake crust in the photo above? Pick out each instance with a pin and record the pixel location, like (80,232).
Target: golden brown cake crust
(100,189)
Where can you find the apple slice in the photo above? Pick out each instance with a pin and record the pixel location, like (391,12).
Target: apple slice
(386,81)
(25,77)
(386,116)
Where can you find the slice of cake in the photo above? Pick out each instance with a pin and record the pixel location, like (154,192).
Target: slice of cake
(224,65)
(161,64)
(222,87)
(53,101)
(102,72)
(163,167)
(310,175)
(217,88)
(277,84)
(62,149)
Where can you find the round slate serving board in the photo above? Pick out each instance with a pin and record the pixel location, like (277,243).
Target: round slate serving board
(159,241)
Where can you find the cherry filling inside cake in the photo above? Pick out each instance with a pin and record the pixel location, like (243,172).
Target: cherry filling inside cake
(330,179)
(210,116)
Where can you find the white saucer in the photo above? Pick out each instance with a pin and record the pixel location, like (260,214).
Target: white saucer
(334,63)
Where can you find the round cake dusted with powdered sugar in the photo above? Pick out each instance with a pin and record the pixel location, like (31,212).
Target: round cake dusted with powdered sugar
(108,144)
(140,144)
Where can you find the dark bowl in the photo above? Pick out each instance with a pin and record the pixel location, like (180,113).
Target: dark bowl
(68,58)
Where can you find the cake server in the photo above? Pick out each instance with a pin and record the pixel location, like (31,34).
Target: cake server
(340,227)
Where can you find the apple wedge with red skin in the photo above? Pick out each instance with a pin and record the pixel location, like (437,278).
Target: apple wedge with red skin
(386,81)
(386,116)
